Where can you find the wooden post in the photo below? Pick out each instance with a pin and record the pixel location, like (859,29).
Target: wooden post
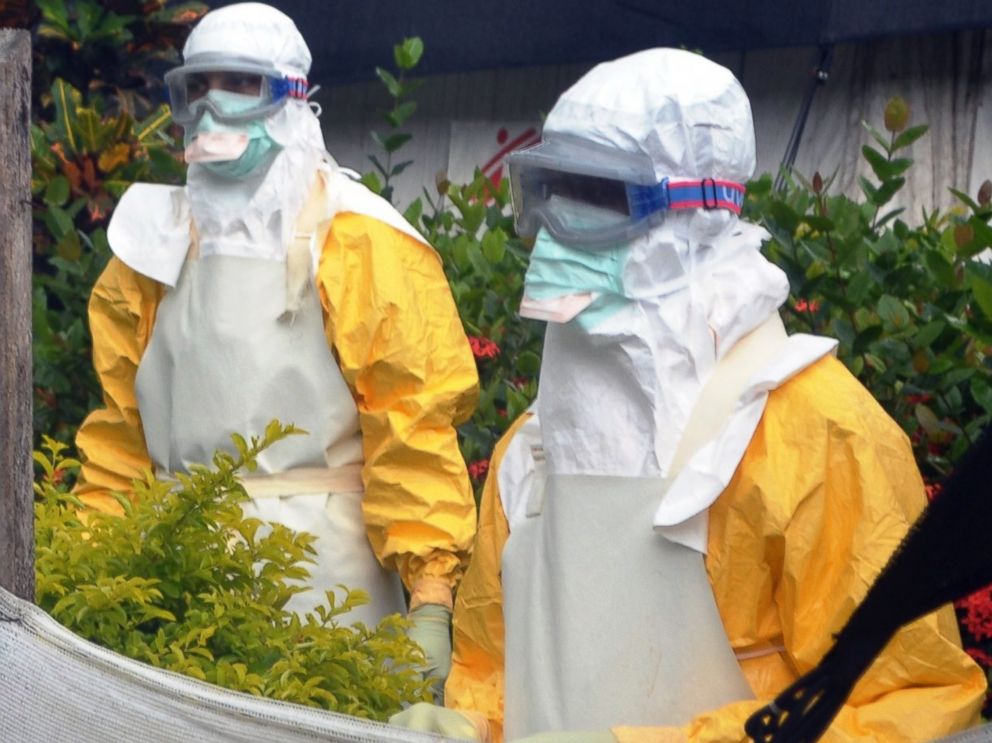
(16,477)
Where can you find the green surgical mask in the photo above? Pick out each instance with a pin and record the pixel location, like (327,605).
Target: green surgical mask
(261,146)
(558,270)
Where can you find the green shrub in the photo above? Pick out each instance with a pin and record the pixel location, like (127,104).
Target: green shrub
(183,581)
(98,125)
(113,48)
(83,160)
(911,305)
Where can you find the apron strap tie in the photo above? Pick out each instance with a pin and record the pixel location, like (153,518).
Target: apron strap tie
(305,481)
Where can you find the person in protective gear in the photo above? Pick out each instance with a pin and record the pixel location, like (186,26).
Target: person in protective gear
(274,286)
(696,501)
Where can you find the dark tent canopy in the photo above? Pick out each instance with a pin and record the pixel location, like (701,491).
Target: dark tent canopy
(350,37)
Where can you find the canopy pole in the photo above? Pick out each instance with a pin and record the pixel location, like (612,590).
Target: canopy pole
(821,73)
(16,475)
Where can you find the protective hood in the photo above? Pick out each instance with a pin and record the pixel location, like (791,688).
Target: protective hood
(620,380)
(253,216)
(688,116)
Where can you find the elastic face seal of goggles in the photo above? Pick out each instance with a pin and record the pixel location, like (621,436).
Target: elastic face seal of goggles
(189,84)
(550,189)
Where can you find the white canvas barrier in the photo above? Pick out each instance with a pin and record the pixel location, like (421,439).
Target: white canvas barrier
(56,687)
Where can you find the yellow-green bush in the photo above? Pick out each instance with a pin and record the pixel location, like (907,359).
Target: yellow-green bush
(185,582)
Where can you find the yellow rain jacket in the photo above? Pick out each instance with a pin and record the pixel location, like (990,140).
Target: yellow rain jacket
(391,322)
(824,493)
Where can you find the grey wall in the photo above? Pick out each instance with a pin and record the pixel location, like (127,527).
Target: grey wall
(946,78)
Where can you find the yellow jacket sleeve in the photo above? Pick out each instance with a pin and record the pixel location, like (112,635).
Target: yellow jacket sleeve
(825,492)
(476,679)
(121,314)
(393,325)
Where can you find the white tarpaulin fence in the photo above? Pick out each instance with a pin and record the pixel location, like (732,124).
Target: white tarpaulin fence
(58,688)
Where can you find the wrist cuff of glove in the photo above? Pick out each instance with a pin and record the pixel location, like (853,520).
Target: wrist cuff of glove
(431,591)
(648,735)
(480,722)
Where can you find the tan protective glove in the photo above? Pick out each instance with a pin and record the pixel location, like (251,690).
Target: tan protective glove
(430,718)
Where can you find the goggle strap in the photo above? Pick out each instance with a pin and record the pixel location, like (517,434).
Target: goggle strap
(294,87)
(706,193)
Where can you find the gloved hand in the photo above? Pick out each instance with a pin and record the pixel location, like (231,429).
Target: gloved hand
(431,629)
(570,736)
(429,718)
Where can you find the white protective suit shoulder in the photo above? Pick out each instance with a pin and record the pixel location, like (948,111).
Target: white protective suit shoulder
(151,226)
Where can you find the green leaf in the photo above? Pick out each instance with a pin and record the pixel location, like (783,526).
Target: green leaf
(66,100)
(478,261)
(899,165)
(843,330)
(823,224)
(859,286)
(981,288)
(870,190)
(372,183)
(400,167)
(153,123)
(906,138)
(414,211)
(929,333)
(391,83)
(527,364)
(89,130)
(375,160)
(57,192)
(983,233)
(407,54)
(866,337)
(494,246)
(955,377)
(785,216)
(59,222)
(399,115)
(890,215)
(876,135)
(887,190)
(394,141)
(981,390)
(878,162)
(892,311)
(966,199)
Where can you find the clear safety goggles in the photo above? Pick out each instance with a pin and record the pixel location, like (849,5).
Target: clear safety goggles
(189,85)
(589,199)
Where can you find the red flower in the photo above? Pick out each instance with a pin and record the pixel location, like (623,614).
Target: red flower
(478,469)
(977,613)
(917,399)
(483,348)
(933,489)
(807,306)
(980,656)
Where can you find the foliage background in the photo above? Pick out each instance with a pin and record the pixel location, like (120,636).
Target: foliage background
(908,296)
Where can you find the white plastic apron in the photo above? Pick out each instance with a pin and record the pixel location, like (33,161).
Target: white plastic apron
(225,357)
(608,622)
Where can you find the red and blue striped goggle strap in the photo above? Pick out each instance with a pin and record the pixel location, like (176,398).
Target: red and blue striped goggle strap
(292,87)
(706,193)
